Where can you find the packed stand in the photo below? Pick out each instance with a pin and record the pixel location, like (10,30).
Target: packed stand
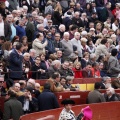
(58,40)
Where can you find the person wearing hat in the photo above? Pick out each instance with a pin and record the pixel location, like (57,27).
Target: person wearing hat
(116,82)
(29,103)
(67,113)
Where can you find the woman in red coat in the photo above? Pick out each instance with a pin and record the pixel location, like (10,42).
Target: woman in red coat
(77,70)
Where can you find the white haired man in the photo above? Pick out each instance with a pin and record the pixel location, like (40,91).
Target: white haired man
(68,47)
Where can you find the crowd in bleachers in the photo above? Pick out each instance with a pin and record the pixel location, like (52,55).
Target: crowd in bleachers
(57,40)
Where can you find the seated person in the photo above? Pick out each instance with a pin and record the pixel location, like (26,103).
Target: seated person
(29,103)
(67,113)
(106,82)
(31,83)
(64,70)
(95,70)
(77,70)
(68,85)
(36,90)
(55,83)
(116,83)
(16,88)
(22,85)
(95,96)
(110,95)
(86,72)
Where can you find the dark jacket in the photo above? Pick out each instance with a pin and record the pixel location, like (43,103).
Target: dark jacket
(7,31)
(12,109)
(65,72)
(30,31)
(58,45)
(47,100)
(15,64)
(33,105)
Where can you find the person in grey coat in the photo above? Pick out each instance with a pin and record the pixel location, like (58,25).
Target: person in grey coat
(12,107)
(113,64)
(95,96)
(76,42)
(68,51)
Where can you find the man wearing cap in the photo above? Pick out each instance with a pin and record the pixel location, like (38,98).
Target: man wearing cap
(67,113)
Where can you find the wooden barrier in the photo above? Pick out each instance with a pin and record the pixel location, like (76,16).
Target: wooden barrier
(2,100)
(101,111)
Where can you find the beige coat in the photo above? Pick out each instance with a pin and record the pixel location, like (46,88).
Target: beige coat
(101,50)
(39,46)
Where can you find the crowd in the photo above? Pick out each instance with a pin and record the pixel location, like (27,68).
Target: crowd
(57,40)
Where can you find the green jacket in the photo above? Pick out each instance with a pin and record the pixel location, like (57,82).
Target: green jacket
(12,109)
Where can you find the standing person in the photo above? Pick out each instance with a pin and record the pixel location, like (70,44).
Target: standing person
(30,29)
(113,64)
(47,100)
(38,44)
(76,42)
(12,107)
(95,96)
(67,113)
(68,47)
(20,31)
(15,62)
(5,29)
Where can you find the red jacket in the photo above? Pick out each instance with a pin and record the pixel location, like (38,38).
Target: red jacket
(77,73)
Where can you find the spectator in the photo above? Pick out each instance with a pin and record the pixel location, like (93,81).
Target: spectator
(77,43)
(12,107)
(32,53)
(114,68)
(68,85)
(86,72)
(47,99)
(31,83)
(16,88)
(37,70)
(102,48)
(54,67)
(38,44)
(116,82)
(110,95)
(13,28)
(77,70)
(55,83)
(30,29)
(64,70)
(68,47)
(95,96)
(59,56)
(20,31)
(29,103)
(95,70)
(57,43)
(15,62)
(106,82)
(5,28)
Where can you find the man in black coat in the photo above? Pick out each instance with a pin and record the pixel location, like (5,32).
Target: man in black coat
(30,29)
(47,100)
(29,103)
